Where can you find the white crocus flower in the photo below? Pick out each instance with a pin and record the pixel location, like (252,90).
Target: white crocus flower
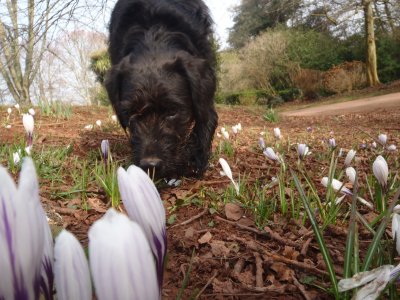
(235,129)
(144,206)
(374,282)
(71,269)
(17,107)
(340,154)
(336,185)
(121,260)
(16,158)
(239,126)
(332,142)
(219,135)
(302,151)
(261,143)
(8,126)
(228,173)
(105,150)
(98,123)
(277,133)
(29,125)
(89,127)
(391,148)
(373,144)
(22,235)
(381,170)
(349,157)
(225,134)
(351,174)
(382,138)
(31,111)
(9,110)
(114,118)
(270,153)
(396,231)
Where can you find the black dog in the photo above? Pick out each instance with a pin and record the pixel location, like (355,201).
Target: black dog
(162,82)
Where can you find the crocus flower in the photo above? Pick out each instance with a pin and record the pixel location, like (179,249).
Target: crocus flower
(340,154)
(349,157)
(29,124)
(228,173)
(382,138)
(374,282)
(121,260)
(114,118)
(302,151)
(105,150)
(351,174)
(391,148)
(381,170)
(396,231)
(144,206)
(235,129)
(261,143)
(8,126)
(9,110)
(332,143)
(22,235)
(174,182)
(239,126)
(31,111)
(336,185)
(16,158)
(277,133)
(373,144)
(71,269)
(98,123)
(270,153)
(17,107)
(225,134)
(309,129)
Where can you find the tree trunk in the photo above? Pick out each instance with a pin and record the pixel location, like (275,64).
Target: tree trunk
(371,61)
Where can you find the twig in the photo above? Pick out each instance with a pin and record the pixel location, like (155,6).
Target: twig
(259,270)
(301,288)
(207,284)
(304,249)
(191,219)
(275,237)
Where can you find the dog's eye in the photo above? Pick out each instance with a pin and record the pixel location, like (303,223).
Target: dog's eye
(172,116)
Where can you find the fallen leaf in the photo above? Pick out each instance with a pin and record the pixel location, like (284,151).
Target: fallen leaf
(219,249)
(283,272)
(205,239)
(233,212)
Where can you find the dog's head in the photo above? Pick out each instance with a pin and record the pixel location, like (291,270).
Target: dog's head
(165,104)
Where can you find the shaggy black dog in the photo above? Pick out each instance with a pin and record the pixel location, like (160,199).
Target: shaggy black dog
(162,82)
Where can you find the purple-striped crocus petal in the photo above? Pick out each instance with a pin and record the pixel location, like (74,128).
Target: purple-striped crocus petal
(105,148)
(8,192)
(121,260)
(71,269)
(47,275)
(21,234)
(144,206)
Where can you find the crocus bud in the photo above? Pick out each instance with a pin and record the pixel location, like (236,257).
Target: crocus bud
(98,123)
(261,143)
(16,158)
(29,124)
(144,206)
(336,185)
(270,153)
(332,143)
(114,118)
(302,150)
(119,250)
(228,173)
(225,134)
(277,133)
(392,148)
(31,111)
(381,170)
(9,110)
(351,174)
(71,269)
(105,150)
(373,144)
(382,138)
(349,157)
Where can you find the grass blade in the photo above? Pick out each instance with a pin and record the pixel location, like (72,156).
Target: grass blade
(318,236)
(379,233)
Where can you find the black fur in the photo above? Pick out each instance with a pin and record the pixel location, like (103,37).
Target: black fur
(162,82)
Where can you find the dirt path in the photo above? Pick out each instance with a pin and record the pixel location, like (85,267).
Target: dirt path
(354,106)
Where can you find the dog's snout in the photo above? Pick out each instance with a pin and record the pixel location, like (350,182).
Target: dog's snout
(150,163)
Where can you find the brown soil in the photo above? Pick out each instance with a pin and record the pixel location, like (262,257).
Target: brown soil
(229,259)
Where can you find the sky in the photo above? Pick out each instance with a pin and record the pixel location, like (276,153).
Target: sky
(223,17)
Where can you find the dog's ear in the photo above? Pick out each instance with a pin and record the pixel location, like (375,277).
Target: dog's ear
(113,84)
(201,78)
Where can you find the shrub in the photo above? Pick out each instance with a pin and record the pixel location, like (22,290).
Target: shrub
(290,94)
(337,81)
(309,82)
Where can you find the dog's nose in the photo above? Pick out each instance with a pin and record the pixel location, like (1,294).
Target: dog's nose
(150,163)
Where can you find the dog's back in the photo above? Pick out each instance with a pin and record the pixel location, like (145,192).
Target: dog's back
(181,24)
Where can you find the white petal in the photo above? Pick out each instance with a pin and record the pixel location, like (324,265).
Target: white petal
(228,172)
(28,123)
(382,138)
(362,278)
(381,170)
(269,152)
(396,231)
(372,290)
(144,206)
(349,157)
(71,269)
(121,261)
(336,185)
(351,174)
